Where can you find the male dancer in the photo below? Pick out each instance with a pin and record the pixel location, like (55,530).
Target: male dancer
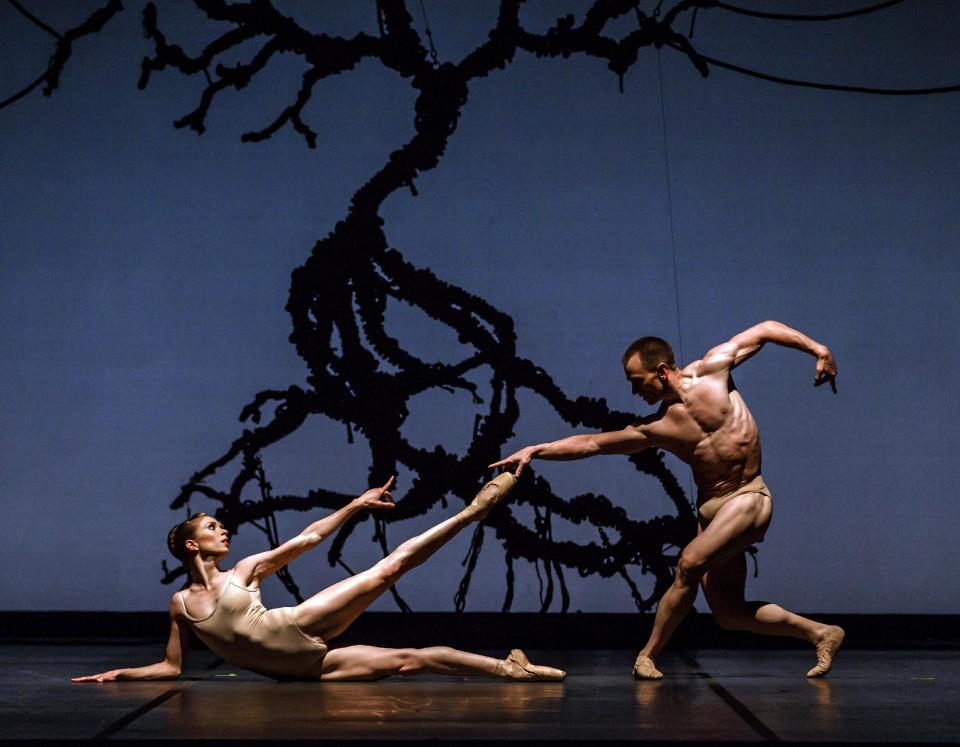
(705,422)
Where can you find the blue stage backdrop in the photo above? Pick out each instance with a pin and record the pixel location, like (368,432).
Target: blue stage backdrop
(145,271)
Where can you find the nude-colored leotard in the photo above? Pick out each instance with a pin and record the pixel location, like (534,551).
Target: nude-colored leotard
(708,509)
(241,631)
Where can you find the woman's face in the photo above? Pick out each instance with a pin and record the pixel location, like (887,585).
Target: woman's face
(209,538)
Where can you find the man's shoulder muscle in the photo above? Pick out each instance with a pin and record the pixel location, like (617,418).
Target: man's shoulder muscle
(656,425)
(717,361)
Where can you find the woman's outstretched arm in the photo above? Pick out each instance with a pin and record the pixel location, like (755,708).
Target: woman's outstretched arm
(168,669)
(263,564)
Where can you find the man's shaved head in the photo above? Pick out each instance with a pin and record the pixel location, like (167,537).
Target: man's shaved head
(652,351)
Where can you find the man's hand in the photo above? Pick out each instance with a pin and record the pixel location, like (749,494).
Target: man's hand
(520,458)
(826,370)
(377,497)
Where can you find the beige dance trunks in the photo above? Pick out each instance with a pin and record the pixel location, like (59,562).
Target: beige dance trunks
(708,509)
(269,642)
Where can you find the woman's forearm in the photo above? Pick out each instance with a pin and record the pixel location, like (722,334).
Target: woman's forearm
(326,526)
(159,671)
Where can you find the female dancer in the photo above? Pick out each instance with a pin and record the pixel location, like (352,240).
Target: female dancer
(224,609)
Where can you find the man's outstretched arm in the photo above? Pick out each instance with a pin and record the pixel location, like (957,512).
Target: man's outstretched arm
(630,440)
(744,345)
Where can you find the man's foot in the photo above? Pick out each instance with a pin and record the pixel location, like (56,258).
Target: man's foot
(518,667)
(644,669)
(827,648)
(491,494)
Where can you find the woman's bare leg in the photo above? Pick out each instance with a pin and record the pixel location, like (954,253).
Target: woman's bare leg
(374,663)
(330,612)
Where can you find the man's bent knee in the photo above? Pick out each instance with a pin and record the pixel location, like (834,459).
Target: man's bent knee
(728,620)
(690,570)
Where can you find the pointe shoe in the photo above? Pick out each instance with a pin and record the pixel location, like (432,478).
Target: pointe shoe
(492,493)
(827,648)
(644,669)
(518,667)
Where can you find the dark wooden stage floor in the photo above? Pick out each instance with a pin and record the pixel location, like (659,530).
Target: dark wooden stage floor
(744,695)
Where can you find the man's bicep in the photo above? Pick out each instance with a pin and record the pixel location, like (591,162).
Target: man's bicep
(729,355)
(720,358)
(746,344)
(630,440)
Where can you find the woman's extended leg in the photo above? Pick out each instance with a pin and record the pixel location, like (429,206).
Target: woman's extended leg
(374,663)
(330,612)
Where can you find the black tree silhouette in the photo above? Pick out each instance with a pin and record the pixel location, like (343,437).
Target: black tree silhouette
(338,301)
(359,374)
(64,47)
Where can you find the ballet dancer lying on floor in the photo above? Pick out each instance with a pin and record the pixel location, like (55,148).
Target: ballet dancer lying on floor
(224,609)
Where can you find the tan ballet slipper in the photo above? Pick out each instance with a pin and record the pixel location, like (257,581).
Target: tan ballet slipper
(491,494)
(518,667)
(644,669)
(827,648)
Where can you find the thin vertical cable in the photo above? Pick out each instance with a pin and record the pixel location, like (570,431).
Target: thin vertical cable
(673,243)
(426,23)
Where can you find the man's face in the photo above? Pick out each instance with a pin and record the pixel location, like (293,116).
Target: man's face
(643,382)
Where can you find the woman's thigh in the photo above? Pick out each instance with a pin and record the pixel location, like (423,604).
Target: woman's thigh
(329,612)
(362,663)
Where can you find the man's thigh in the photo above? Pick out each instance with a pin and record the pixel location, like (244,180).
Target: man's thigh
(724,584)
(738,524)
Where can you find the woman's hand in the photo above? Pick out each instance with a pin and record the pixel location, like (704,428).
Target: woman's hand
(377,497)
(113,674)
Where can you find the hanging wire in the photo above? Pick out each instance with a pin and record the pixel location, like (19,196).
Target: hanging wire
(793,17)
(823,86)
(673,243)
(33,19)
(27,14)
(426,23)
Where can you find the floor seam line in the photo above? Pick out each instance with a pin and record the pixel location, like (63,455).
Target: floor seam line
(727,697)
(124,721)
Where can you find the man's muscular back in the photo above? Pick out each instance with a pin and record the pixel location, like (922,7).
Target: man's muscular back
(709,427)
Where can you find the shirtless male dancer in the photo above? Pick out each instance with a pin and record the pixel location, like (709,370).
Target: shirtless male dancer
(705,422)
